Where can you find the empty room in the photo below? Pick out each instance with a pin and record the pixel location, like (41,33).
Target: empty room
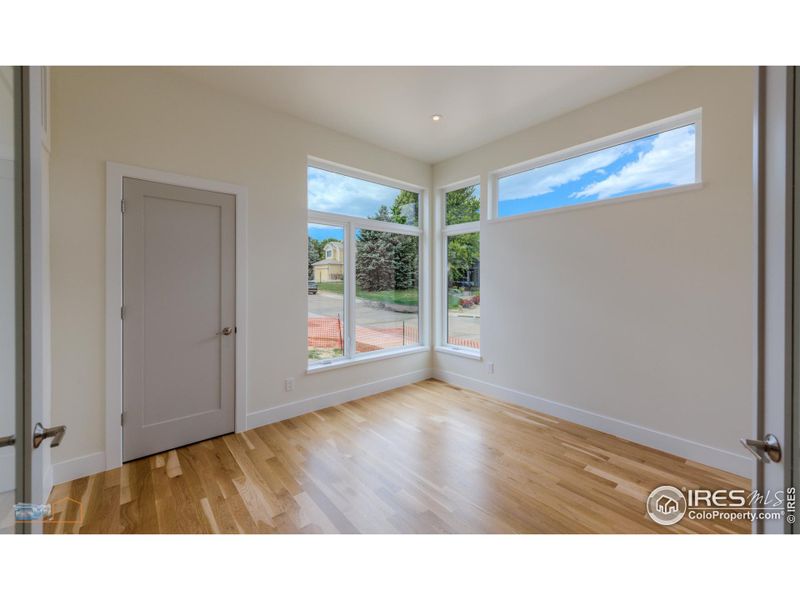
(411,297)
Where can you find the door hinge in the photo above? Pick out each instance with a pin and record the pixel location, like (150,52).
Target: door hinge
(122,206)
(122,419)
(121,312)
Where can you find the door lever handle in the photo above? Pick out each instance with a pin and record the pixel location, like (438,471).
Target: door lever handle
(767,450)
(41,433)
(8,440)
(226,331)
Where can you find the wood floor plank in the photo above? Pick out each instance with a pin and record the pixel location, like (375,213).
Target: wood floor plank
(424,458)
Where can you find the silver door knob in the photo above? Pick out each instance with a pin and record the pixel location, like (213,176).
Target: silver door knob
(226,331)
(767,450)
(41,433)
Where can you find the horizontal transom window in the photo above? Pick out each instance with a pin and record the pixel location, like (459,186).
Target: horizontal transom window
(662,159)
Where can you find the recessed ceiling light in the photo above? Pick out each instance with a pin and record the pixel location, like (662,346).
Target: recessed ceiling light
(437,117)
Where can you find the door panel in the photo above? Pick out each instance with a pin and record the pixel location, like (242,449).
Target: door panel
(179,295)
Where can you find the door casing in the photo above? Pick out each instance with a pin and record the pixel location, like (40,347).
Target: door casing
(115,172)
(775,246)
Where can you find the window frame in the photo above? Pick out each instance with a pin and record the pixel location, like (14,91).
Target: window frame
(445,231)
(691,117)
(350,225)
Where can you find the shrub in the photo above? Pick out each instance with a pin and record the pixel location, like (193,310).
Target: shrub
(476,299)
(465,303)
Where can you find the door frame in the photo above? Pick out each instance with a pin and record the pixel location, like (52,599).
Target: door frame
(775,237)
(115,172)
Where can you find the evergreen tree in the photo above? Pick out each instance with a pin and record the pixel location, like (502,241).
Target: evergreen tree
(375,269)
(386,261)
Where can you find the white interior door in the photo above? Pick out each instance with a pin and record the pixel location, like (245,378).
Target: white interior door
(25,473)
(179,297)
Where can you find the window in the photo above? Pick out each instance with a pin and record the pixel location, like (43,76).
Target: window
(332,192)
(387,291)
(666,157)
(325,295)
(363,267)
(462,259)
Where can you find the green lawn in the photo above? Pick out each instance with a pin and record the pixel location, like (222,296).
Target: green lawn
(406,297)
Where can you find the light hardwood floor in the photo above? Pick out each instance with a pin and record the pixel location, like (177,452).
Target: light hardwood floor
(425,458)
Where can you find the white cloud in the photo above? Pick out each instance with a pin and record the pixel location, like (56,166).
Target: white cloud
(331,192)
(670,161)
(544,180)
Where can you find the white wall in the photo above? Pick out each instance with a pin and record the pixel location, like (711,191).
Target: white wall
(639,315)
(153,118)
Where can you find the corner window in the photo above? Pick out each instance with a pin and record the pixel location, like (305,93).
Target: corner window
(364,267)
(665,158)
(462,268)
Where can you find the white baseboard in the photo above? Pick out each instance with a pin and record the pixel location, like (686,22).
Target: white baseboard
(707,455)
(301,407)
(75,468)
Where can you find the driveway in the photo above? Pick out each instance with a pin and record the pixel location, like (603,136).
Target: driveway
(326,304)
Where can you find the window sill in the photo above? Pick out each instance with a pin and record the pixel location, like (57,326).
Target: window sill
(463,352)
(364,358)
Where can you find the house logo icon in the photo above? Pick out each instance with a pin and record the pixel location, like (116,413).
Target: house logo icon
(666,505)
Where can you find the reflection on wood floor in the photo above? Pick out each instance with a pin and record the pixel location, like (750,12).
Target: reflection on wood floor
(425,458)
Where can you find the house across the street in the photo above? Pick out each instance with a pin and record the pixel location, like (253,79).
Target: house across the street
(330,268)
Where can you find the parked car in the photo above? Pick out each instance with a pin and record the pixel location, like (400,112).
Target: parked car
(312,286)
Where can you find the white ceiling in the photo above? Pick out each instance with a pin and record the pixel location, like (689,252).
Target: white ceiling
(391,107)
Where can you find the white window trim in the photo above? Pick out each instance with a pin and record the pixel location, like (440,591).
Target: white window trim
(444,231)
(364,357)
(350,224)
(460,351)
(691,117)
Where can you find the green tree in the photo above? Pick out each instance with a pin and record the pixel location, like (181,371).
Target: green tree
(462,206)
(314,255)
(388,261)
(375,269)
(463,254)
(405,208)
(463,251)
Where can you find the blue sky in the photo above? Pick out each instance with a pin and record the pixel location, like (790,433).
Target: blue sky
(655,162)
(331,192)
(324,232)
